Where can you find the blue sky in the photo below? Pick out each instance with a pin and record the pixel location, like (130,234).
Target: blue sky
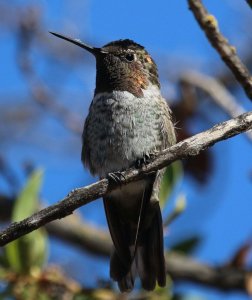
(220,211)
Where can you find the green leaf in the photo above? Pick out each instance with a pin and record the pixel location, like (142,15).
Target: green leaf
(172,174)
(3,273)
(180,206)
(27,201)
(3,261)
(28,251)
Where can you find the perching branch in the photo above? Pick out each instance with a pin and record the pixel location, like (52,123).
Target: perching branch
(209,24)
(81,196)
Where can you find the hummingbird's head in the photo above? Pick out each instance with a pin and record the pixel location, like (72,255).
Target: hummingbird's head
(121,65)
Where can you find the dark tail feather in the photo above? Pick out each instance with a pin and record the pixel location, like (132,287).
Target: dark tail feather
(150,254)
(124,275)
(149,261)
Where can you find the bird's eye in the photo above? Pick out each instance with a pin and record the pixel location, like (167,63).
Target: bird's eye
(130,57)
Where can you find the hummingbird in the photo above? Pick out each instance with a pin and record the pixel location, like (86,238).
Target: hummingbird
(128,122)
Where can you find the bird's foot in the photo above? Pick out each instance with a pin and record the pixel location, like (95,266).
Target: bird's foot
(147,158)
(116,177)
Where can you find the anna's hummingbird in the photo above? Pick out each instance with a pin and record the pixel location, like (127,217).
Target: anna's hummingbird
(128,121)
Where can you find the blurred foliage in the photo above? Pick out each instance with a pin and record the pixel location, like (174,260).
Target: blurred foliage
(30,250)
(187,246)
(180,206)
(47,284)
(172,174)
(23,259)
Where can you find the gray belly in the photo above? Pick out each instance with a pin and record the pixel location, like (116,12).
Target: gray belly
(121,129)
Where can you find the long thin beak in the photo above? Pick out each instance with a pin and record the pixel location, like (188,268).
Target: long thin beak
(79,43)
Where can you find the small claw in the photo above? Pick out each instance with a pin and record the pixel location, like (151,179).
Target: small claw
(144,160)
(116,177)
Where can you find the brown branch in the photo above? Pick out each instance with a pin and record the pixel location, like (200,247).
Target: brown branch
(227,52)
(227,78)
(81,196)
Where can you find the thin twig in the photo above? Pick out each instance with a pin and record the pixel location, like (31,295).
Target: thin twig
(218,93)
(226,51)
(81,196)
